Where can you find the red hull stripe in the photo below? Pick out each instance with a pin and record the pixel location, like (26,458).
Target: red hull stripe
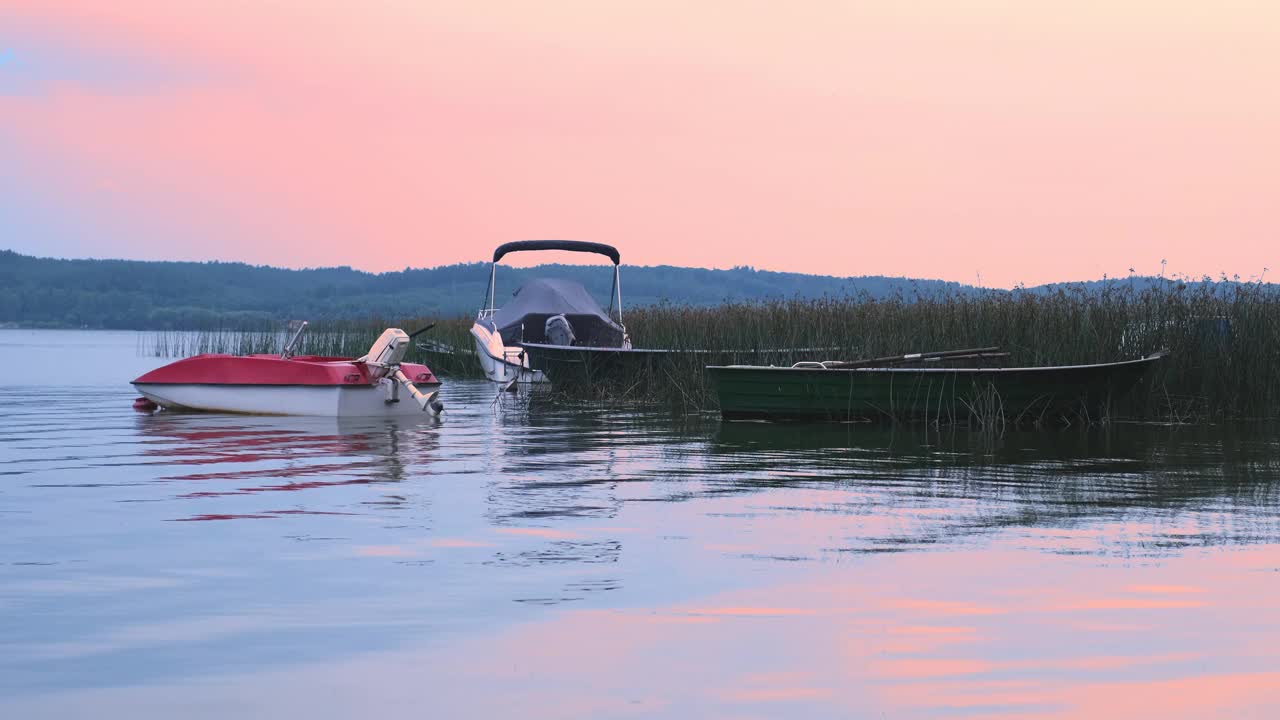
(271,370)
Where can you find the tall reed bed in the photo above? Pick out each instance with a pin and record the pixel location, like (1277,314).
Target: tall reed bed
(184,343)
(1224,339)
(447,348)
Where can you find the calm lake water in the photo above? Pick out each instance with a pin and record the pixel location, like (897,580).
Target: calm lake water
(521,558)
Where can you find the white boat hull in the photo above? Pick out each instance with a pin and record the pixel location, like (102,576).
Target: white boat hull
(322,400)
(500,363)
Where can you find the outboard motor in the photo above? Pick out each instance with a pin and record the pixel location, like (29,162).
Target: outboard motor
(558,331)
(383,363)
(387,353)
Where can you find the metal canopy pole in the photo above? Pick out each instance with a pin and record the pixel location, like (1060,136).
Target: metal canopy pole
(493,270)
(617,286)
(613,288)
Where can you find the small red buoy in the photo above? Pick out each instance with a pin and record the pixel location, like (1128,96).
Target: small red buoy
(144,405)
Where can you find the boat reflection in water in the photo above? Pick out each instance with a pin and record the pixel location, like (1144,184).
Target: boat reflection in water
(554,560)
(250,455)
(970,483)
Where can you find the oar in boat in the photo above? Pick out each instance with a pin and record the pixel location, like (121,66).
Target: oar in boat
(420,330)
(949,356)
(909,357)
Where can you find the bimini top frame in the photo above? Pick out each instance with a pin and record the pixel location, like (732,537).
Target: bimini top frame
(571,245)
(609,251)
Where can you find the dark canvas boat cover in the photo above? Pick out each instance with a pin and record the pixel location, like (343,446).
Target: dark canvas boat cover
(524,318)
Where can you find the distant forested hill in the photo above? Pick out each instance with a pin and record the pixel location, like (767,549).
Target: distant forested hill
(49,292)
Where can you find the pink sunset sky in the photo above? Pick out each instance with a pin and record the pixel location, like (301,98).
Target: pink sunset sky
(1016,141)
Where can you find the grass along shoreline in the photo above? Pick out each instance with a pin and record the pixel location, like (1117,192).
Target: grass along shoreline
(1224,340)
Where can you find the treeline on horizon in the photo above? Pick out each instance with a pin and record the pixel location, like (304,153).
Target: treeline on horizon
(149,295)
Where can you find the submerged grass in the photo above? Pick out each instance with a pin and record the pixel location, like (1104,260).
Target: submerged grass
(1224,340)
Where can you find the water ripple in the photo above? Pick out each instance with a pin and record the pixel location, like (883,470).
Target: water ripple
(522,556)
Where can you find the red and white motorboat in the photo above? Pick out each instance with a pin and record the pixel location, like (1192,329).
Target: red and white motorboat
(286,384)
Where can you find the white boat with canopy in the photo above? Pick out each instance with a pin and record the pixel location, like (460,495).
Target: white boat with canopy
(545,311)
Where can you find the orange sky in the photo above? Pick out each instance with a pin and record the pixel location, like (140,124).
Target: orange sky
(1015,141)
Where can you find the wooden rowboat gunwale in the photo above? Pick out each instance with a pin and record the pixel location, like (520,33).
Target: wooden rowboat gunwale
(1035,368)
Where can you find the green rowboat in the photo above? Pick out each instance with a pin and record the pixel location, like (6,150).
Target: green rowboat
(943,394)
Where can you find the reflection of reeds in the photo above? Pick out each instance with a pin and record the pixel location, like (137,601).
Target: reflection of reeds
(1225,340)
(986,409)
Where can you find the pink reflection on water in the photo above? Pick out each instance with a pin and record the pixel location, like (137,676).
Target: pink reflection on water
(952,630)
(776,687)
(1164,589)
(874,639)
(945,608)
(1212,695)
(753,611)
(929,667)
(265,515)
(383,551)
(1129,604)
(541,533)
(879,639)
(458,543)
